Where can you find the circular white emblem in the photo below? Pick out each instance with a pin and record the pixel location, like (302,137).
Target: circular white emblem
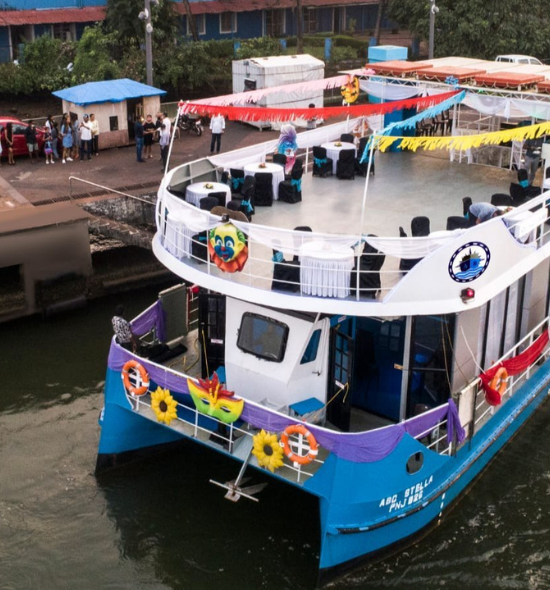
(469,262)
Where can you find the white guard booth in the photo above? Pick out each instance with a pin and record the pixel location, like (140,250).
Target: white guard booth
(267,72)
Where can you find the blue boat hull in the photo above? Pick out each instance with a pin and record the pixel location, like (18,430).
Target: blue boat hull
(367,510)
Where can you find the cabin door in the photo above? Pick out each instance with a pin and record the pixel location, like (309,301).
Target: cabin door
(340,379)
(211,332)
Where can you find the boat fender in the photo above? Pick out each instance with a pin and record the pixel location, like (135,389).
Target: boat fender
(143,378)
(500,381)
(295,458)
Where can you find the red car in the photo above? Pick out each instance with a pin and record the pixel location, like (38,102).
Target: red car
(19,140)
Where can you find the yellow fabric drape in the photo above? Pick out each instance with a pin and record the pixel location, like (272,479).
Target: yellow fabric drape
(463,142)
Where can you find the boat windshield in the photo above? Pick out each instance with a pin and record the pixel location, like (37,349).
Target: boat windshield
(263,337)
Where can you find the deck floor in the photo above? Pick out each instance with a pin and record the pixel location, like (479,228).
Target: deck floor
(405,185)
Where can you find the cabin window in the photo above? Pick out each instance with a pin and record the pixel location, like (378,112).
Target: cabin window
(431,362)
(263,337)
(310,353)
(415,462)
(113,123)
(200,25)
(310,21)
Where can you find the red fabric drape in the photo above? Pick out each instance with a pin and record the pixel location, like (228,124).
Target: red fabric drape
(513,366)
(246,113)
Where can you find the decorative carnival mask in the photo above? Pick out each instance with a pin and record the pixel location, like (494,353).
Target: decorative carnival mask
(227,248)
(212,400)
(350,91)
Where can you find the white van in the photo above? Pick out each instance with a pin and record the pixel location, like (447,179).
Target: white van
(519,59)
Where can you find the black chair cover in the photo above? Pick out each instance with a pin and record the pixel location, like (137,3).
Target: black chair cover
(345,167)
(347,137)
(220,197)
(263,196)
(236,180)
(225,177)
(420,227)
(322,166)
(370,263)
(456,222)
(234,205)
(290,190)
(279,159)
(362,168)
(501,200)
(208,203)
(199,247)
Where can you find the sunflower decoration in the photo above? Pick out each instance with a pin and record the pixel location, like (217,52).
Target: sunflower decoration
(267,450)
(164,405)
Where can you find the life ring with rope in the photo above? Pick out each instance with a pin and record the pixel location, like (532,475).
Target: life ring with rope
(294,457)
(500,381)
(142,378)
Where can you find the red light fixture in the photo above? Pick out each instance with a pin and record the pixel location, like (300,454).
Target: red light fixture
(467,294)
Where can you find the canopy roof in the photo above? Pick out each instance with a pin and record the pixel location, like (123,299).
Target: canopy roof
(107,91)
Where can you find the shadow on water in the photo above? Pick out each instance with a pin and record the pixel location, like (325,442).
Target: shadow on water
(168,515)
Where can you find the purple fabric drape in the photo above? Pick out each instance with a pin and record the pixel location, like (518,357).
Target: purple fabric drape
(151,317)
(361,447)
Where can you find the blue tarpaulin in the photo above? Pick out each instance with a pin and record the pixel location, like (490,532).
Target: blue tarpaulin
(107,91)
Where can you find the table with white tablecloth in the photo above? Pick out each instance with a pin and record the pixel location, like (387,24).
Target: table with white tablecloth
(333,151)
(277,170)
(197,191)
(325,269)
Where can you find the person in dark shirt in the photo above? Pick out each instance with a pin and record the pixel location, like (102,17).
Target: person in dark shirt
(149,129)
(139,134)
(123,331)
(533,150)
(30,138)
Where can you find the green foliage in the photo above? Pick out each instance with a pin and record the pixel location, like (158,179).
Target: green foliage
(93,59)
(260,47)
(122,20)
(44,67)
(343,54)
(478,28)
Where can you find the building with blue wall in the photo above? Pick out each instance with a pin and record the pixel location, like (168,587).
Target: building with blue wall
(24,20)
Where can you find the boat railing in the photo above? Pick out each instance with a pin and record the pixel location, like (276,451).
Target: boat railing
(474,410)
(435,438)
(228,436)
(308,263)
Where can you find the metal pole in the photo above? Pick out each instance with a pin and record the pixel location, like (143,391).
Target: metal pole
(433,10)
(148,43)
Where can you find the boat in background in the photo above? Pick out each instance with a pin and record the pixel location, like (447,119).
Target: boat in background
(380,375)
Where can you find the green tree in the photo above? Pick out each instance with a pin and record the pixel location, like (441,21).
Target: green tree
(94,57)
(122,20)
(478,28)
(259,47)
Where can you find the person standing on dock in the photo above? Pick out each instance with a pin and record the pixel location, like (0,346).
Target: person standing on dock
(32,145)
(85,138)
(533,150)
(138,134)
(95,134)
(217,126)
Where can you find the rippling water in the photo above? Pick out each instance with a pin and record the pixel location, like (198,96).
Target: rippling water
(159,524)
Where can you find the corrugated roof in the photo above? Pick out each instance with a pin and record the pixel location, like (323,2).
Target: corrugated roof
(48,17)
(107,91)
(217,6)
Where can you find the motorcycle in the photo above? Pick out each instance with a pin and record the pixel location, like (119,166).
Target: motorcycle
(190,125)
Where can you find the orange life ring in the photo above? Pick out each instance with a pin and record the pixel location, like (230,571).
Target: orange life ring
(500,381)
(313,447)
(143,377)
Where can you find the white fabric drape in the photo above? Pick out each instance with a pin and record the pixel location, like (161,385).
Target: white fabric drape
(291,90)
(387,91)
(413,248)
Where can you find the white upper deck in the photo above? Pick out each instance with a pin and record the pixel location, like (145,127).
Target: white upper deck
(406,185)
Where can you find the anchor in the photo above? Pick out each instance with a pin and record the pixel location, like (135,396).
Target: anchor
(233,487)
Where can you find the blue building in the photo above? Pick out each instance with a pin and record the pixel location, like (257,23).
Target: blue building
(25,20)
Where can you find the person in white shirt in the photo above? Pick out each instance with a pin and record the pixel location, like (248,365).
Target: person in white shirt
(85,138)
(217,126)
(164,142)
(94,126)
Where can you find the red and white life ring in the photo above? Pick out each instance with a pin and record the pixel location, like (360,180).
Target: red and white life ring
(295,458)
(500,381)
(141,378)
